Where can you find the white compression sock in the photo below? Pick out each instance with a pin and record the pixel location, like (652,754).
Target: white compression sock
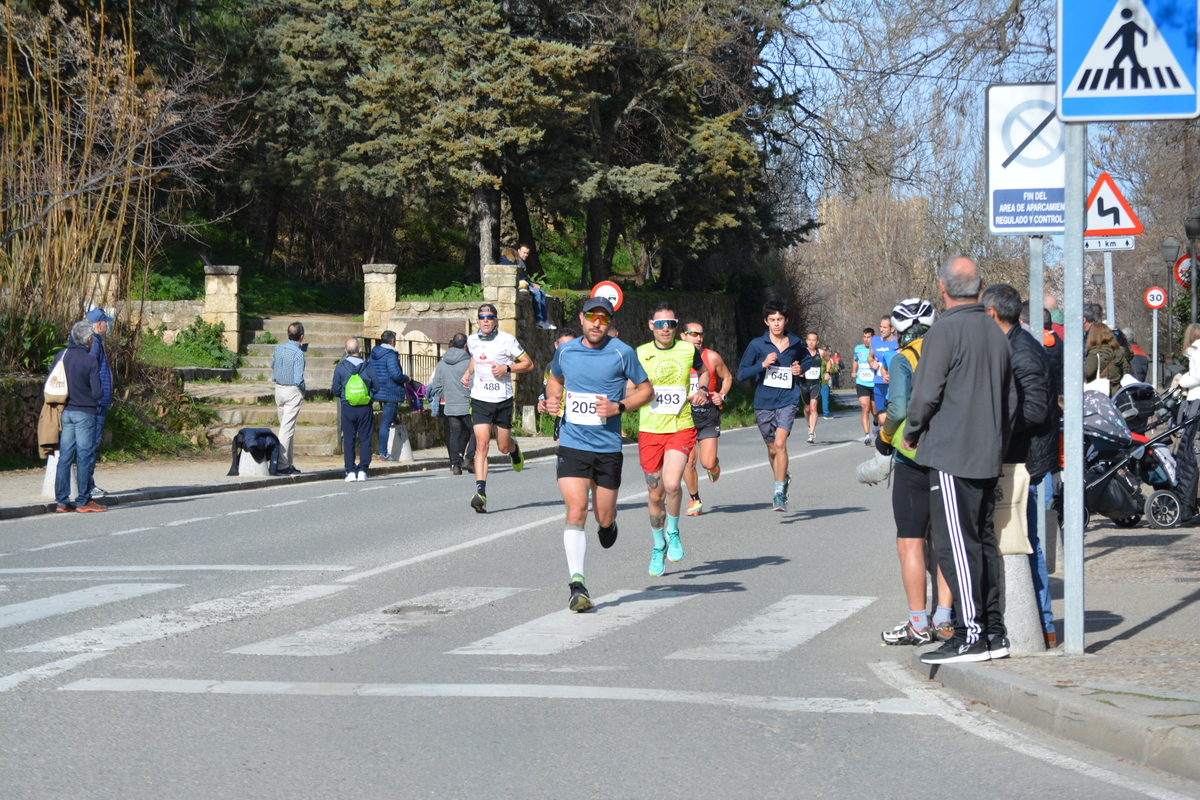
(575,543)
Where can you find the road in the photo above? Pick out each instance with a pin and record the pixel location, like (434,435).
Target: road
(383,640)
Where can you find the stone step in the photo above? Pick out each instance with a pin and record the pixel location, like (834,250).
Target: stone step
(314,350)
(313,378)
(306,435)
(323,325)
(265,416)
(311,362)
(334,339)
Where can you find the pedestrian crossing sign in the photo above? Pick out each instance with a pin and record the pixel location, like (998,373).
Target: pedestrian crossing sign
(1128,60)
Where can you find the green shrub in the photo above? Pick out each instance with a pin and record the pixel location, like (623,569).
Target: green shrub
(456,292)
(266,337)
(201,344)
(30,343)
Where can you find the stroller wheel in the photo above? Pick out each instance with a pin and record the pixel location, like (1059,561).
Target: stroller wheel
(1163,509)
(1128,522)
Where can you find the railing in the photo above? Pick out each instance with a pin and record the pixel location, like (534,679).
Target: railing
(418,366)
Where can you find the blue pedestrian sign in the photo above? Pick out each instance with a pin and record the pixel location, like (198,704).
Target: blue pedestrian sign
(1128,60)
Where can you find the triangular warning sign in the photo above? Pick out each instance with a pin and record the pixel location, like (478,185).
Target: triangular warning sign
(1108,212)
(1129,58)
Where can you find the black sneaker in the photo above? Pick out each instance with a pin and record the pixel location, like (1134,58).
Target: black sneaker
(957,651)
(479,503)
(608,536)
(580,599)
(997,646)
(787,484)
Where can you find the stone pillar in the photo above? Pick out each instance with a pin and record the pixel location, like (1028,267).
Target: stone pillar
(500,289)
(379,297)
(103,294)
(221,301)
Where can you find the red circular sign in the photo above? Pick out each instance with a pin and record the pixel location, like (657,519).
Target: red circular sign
(611,291)
(1156,297)
(1183,271)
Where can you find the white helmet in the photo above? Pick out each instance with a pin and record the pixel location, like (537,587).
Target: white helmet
(913,311)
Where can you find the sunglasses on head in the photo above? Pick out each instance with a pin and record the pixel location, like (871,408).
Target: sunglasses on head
(596,316)
(486,316)
(661,324)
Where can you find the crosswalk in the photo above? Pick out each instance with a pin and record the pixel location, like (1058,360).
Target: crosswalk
(764,635)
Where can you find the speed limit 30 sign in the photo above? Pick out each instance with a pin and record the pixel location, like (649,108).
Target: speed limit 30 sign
(1156,298)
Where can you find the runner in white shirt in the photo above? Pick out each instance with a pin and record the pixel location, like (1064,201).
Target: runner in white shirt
(495,357)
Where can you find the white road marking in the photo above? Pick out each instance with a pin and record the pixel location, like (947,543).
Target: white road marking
(56,544)
(332,494)
(819,705)
(243,511)
(377,488)
(288,503)
(780,627)
(134,530)
(352,633)
(566,629)
(185,521)
(185,568)
(43,607)
(937,700)
(548,668)
(47,670)
(169,623)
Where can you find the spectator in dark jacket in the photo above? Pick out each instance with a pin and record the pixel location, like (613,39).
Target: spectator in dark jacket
(446,383)
(391,378)
(1034,441)
(1139,362)
(100,322)
(77,442)
(357,421)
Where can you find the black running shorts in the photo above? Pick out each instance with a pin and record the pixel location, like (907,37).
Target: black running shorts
(498,414)
(809,391)
(864,391)
(707,420)
(603,468)
(910,500)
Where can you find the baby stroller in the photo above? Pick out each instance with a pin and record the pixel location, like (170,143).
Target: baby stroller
(1119,460)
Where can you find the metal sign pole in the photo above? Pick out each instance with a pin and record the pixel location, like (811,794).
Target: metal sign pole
(1036,286)
(1076,209)
(1154,360)
(1108,290)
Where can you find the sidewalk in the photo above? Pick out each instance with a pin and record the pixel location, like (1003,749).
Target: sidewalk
(139,481)
(1135,692)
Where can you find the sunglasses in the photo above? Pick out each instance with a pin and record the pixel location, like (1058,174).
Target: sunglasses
(697,334)
(662,324)
(486,316)
(596,316)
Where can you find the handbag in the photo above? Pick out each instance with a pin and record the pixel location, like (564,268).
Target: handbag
(1009,519)
(1099,383)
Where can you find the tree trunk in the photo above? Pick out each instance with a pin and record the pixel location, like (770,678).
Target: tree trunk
(487,208)
(641,262)
(274,205)
(470,272)
(520,212)
(615,228)
(594,236)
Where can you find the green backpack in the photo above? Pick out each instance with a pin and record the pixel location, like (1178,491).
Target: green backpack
(357,393)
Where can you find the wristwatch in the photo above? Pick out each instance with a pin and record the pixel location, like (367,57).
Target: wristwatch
(508,367)
(621,407)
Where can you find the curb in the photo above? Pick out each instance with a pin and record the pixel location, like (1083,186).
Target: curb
(1143,740)
(127,498)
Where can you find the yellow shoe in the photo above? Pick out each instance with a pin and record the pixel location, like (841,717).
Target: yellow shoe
(694,508)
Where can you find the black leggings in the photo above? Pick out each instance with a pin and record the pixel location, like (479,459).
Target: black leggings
(1185,461)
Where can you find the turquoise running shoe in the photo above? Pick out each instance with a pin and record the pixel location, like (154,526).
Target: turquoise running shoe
(674,547)
(780,501)
(657,564)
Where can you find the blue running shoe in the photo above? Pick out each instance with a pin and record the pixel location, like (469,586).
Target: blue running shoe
(674,547)
(780,501)
(657,564)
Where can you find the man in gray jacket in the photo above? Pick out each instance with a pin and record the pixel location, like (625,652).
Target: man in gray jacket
(446,383)
(961,414)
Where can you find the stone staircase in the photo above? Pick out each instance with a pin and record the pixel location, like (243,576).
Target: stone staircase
(250,401)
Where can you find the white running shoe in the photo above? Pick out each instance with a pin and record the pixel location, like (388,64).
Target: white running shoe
(362,474)
(351,477)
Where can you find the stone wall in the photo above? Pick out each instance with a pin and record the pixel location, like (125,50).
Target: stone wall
(20,405)
(173,315)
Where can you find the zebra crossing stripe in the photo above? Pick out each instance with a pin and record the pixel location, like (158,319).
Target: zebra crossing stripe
(817,705)
(170,623)
(563,630)
(780,627)
(360,630)
(19,613)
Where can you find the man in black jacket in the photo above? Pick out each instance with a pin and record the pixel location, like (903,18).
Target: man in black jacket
(77,442)
(1034,440)
(960,414)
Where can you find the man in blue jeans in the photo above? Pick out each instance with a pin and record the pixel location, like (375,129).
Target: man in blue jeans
(99,321)
(391,378)
(78,439)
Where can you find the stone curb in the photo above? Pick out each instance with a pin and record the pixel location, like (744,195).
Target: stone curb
(126,498)
(1144,740)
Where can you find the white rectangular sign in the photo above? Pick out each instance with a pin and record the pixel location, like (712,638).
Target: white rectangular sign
(1098,244)
(1026,169)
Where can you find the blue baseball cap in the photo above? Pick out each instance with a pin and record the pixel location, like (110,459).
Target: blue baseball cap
(98,315)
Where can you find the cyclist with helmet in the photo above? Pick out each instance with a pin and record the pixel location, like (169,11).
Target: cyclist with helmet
(911,319)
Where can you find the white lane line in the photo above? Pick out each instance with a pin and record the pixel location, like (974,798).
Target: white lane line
(47,670)
(818,705)
(937,700)
(243,511)
(288,503)
(184,568)
(780,627)
(360,630)
(762,464)
(56,544)
(19,613)
(194,617)
(332,494)
(134,530)
(185,521)
(566,629)
(376,488)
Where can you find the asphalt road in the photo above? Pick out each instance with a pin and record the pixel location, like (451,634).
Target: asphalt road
(383,640)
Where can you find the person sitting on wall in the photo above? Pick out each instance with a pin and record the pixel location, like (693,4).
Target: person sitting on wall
(517,258)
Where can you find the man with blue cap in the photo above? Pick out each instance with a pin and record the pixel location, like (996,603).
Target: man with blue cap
(100,322)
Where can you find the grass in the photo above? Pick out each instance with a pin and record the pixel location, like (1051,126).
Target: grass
(201,344)
(17,461)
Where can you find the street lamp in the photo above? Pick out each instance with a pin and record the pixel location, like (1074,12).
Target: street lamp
(1191,226)
(1170,250)
(1170,254)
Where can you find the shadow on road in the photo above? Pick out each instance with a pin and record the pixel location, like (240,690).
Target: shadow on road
(727,565)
